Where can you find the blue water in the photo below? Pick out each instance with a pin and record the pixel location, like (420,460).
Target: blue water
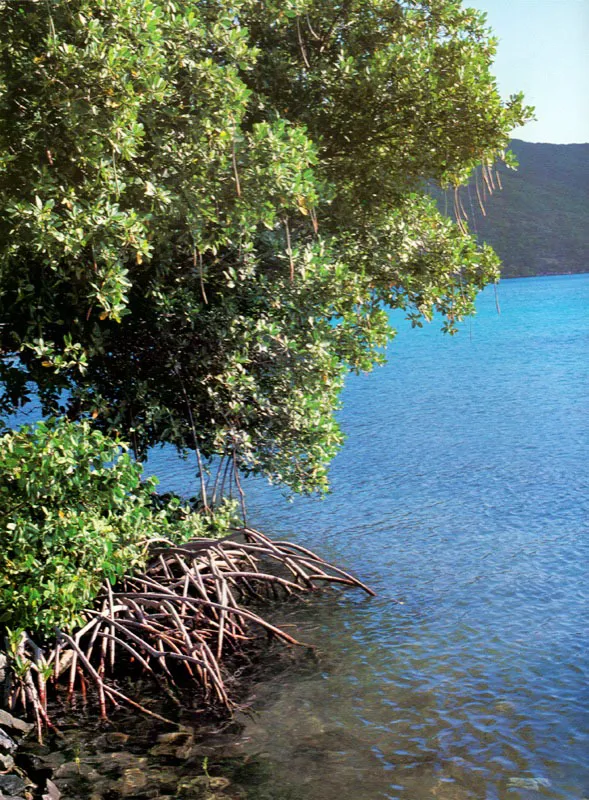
(461,496)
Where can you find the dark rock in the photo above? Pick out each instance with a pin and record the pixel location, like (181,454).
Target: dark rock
(76,770)
(111,741)
(7,745)
(175,797)
(8,721)
(11,784)
(43,762)
(162,780)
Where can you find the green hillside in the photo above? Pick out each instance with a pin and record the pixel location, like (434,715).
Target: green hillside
(539,222)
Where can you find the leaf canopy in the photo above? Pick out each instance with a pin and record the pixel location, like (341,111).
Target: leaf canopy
(208,208)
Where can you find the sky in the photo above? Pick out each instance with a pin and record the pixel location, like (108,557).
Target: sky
(544,52)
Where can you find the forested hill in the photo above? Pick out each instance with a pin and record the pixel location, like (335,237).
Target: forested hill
(539,222)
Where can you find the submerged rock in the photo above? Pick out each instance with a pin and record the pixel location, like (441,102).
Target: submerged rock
(194,788)
(178,744)
(111,741)
(203,787)
(219,783)
(445,790)
(532,784)
(118,761)
(161,781)
(133,781)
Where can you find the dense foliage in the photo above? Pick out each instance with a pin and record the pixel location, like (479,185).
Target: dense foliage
(206,208)
(74,512)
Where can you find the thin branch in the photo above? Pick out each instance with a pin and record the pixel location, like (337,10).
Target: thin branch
(239,489)
(302,45)
(481,205)
(203,488)
(197,260)
(289,249)
(311,31)
(235,172)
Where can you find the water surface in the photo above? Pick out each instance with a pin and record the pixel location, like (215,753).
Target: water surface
(461,497)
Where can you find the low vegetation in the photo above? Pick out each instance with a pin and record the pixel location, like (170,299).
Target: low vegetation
(75,512)
(96,570)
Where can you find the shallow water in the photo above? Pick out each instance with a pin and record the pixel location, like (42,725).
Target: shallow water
(461,497)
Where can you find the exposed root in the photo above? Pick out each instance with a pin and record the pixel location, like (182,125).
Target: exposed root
(177,621)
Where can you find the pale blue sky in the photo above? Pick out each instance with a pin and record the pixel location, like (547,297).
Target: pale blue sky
(544,52)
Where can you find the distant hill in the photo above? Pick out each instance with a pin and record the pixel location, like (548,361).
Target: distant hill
(539,222)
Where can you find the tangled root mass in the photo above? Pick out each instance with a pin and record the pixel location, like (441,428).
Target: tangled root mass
(181,619)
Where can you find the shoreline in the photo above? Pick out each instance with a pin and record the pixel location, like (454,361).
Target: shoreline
(542,275)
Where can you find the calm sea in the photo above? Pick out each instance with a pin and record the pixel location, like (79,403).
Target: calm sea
(462,498)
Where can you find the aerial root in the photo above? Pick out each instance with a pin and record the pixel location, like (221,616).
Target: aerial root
(178,620)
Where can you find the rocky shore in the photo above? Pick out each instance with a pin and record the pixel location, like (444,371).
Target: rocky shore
(112,766)
(176,766)
(17,783)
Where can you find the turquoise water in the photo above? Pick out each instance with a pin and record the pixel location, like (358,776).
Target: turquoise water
(462,497)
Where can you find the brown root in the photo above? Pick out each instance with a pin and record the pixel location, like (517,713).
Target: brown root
(178,620)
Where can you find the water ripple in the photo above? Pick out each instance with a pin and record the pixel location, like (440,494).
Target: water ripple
(462,492)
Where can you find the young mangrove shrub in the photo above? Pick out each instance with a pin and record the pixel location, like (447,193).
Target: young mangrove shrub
(74,511)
